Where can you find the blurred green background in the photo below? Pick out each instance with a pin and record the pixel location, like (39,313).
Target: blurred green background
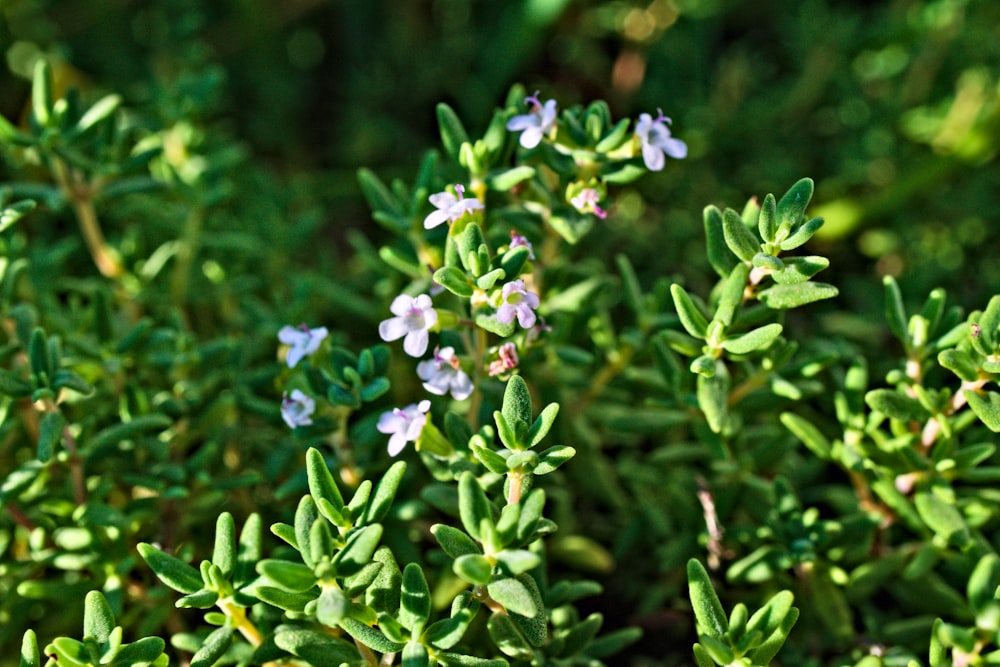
(892,107)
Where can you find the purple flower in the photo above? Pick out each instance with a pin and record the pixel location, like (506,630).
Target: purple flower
(297,408)
(304,341)
(654,135)
(443,374)
(517,241)
(414,316)
(506,360)
(449,207)
(404,424)
(517,301)
(586,202)
(535,124)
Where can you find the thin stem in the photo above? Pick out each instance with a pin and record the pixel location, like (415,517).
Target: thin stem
(20,517)
(80,196)
(516,480)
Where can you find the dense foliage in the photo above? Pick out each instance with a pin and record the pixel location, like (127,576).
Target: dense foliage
(323,340)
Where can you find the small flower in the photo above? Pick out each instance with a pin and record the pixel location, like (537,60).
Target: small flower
(656,141)
(414,316)
(518,241)
(517,301)
(449,207)
(506,360)
(295,409)
(443,374)
(404,424)
(535,124)
(304,341)
(586,202)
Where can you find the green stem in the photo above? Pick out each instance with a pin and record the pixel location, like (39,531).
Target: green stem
(80,196)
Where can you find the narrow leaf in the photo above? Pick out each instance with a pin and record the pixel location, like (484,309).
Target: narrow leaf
(708,610)
(739,239)
(691,317)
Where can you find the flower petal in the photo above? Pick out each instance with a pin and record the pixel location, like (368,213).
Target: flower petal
(525,316)
(289,335)
(401,305)
(522,122)
(415,343)
(442,199)
(461,386)
(396,443)
(675,148)
(295,354)
(531,137)
(393,328)
(505,314)
(653,157)
(436,218)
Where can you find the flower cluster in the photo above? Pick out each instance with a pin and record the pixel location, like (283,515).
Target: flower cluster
(535,124)
(656,141)
(450,207)
(303,341)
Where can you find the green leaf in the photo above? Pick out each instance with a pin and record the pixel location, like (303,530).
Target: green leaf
(986,406)
(895,313)
(415,599)
(691,317)
(553,457)
(454,280)
(203,599)
(415,655)
(488,280)
(493,325)
(764,261)
(630,281)
(453,542)
(713,397)
(765,652)
(358,551)
(767,223)
(224,552)
(282,599)
(332,606)
(146,651)
(383,594)
(370,637)
(503,181)
(29,650)
(942,517)
(540,428)
(792,207)
(214,647)
(793,296)
(306,515)
(473,506)
(731,294)
(799,269)
(896,405)
(513,261)
(517,402)
(20,479)
(290,576)
(453,133)
(321,482)
(38,355)
(708,612)
(810,436)
(98,619)
(514,595)
(378,196)
(172,571)
(715,241)
(100,111)
(960,362)
(989,323)
(462,660)
(983,583)
(802,234)
(508,637)
(753,341)
(533,627)
(772,615)
(41,92)
(739,239)
(531,514)
(445,633)
(490,459)
(518,561)
(12,385)
(317,648)
(50,430)
(130,430)
(385,493)
(474,568)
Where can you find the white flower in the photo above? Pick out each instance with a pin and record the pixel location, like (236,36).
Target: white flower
(517,301)
(586,202)
(414,316)
(404,424)
(304,341)
(449,207)
(656,141)
(297,408)
(443,374)
(536,124)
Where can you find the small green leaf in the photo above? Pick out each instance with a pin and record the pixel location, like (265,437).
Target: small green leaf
(332,606)
(290,576)
(764,261)
(453,542)
(41,92)
(453,133)
(793,296)
(799,269)
(66,379)
(739,239)
(810,436)
(540,428)
(12,385)
(474,568)
(942,517)
(473,505)
(385,493)
(986,406)
(731,294)
(488,280)
(503,181)
(490,459)
(321,483)
(493,325)
(454,280)
(172,571)
(896,405)
(415,599)
(553,457)
(370,637)
(960,362)
(317,648)
(715,240)
(983,583)
(767,223)
(214,647)
(100,111)
(224,553)
(517,402)
(98,619)
(753,341)
(50,430)
(895,313)
(518,561)
(358,551)
(792,206)
(711,618)
(508,637)
(514,594)
(415,655)
(29,650)
(713,396)
(691,317)
(802,234)
(513,260)
(146,651)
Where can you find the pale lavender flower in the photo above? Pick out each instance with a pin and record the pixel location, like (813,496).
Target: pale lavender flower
(535,124)
(586,202)
(517,241)
(654,135)
(443,374)
(414,316)
(303,340)
(517,301)
(449,207)
(297,408)
(506,360)
(405,424)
